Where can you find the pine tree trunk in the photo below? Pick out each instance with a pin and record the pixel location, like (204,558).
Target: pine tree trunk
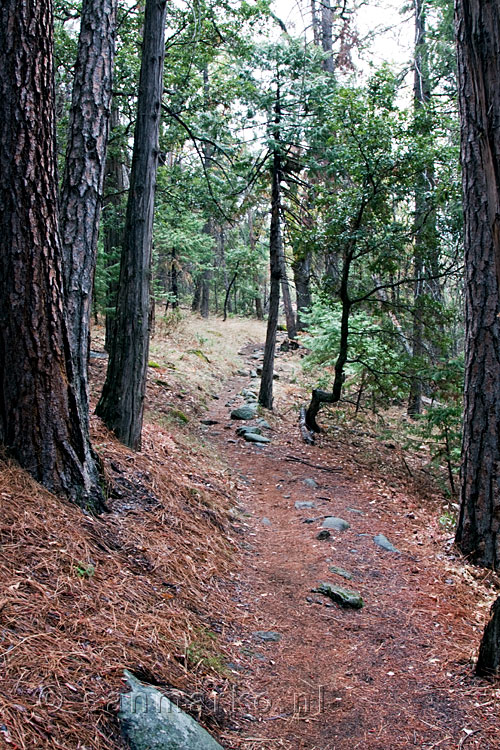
(426,243)
(302,279)
(291,325)
(114,187)
(327,35)
(40,422)
(478,31)
(275,251)
(488,663)
(82,186)
(122,402)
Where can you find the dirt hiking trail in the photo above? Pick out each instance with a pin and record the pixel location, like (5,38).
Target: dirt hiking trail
(313,675)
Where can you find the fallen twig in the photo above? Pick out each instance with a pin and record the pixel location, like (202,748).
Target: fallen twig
(314,466)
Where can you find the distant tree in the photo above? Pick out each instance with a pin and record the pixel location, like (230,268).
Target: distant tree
(121,405)
(478,37)
(40,422)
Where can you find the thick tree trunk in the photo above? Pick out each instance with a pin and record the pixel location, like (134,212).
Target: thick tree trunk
(488,663)
(83,178)
(478,32)
(122,402)
(40,422)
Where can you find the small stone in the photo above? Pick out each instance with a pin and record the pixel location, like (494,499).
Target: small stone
(337,524)
(252,437)
(303,504)
(341,572)
(355,510)
(264,424)
(382,541)
(244,412)
(231,440)
(325,534)
(253,374)
(344,597)
(246,428)
(268,636)
(309,520)
(208,421)
(311,483)
(243,373)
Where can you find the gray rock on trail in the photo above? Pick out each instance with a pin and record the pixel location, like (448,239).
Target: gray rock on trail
(253,437)
(341,572)
(311,483)
(266,522)
(246,428)
(303,504)
(244,412)
(382,541)
(268,636)
(337,524)
(344,597)
(243,373)
(150,721)
(264,424)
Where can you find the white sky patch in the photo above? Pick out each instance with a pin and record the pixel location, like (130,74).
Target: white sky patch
(388,32)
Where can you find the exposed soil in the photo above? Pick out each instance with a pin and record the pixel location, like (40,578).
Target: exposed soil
(395,674)
(203,551)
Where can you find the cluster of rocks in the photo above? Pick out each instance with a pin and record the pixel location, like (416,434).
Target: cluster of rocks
(335,594)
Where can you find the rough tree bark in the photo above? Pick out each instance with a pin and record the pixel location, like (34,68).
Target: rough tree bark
(40,423)
(122,402)
(488,662)
(82,186)
(478,36)
(327,35)
(114,188)
(275,253)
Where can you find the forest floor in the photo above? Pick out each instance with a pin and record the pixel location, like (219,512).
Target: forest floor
(200,577)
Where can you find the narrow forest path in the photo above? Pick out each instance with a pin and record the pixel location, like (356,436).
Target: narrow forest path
(315,676)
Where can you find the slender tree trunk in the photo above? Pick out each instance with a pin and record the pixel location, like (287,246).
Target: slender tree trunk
(40,420)
(82,185)
(302,279)
(275,255)
(196,303)
(426,245)
(205,293)
(122,401)
(113,225)
(316,25)
(251,238)
(174,279)
(323,397)
(478,34)
(291,325)
(327,35)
